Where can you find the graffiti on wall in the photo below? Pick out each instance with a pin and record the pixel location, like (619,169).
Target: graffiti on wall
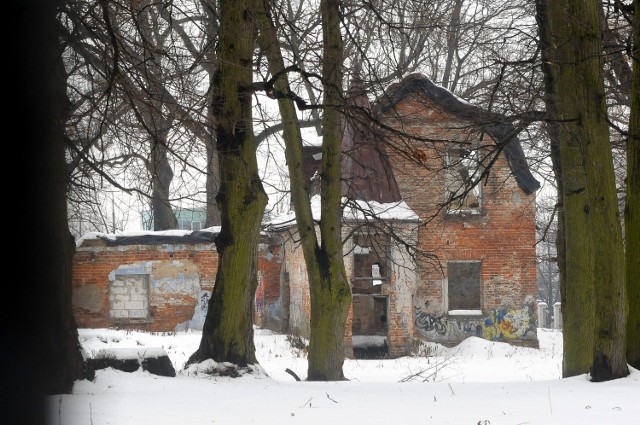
(499,324)
(204,301)
(507,324)
(429,322)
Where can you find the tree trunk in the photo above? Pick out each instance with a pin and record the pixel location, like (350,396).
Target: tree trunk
(41,351)
(213,177)
(64,363)
(161,176)
(329,288)
(213,170)
(574,258)
(154,119)
(453,42)
(592,233)
(227,335)
(632,207)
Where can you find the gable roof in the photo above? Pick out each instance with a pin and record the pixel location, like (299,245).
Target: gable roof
(496,125)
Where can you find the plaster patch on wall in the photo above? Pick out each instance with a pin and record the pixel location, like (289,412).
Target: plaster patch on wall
(144,267)
(199,314)
(516,198)
(172,280)
(173,268)
(273,312)
(89,297)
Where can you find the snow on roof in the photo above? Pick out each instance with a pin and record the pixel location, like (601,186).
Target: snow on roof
(361,210)
(152,236)
(498,126)
(353,210)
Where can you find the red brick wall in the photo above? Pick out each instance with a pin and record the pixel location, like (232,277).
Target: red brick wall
(502,236)
(94,265)
(270,311)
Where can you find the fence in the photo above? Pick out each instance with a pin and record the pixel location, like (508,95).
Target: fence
(556,322)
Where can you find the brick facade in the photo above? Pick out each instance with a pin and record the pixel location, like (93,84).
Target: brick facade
(499,234)
(474,273)
(179,278)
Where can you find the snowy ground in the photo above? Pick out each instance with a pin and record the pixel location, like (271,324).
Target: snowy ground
(476,382)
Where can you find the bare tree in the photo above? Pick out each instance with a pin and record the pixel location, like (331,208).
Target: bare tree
(548,275)
(46,357)
(139,105)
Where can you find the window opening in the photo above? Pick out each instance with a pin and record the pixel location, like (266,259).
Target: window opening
(464,192)
(370,262)
(464,287)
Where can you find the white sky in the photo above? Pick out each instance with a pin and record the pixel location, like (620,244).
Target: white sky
(477,382)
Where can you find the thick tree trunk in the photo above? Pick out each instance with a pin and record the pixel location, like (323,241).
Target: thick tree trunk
(64,363)
(41,352)
(592,232)
(573,244)
(632,207)
(227,335)
(329,288)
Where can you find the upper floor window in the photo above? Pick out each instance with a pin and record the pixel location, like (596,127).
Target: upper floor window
(462,182)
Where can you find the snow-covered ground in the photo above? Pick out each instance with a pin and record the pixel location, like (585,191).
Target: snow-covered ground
(476,382)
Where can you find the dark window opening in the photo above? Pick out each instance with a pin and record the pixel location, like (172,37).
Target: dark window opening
(464,169)
(464,285)
(370,262)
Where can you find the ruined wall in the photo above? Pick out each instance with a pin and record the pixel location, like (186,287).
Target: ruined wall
(399,290)
(295,270)
(179,278)
(271,307)
(500,236)
(161,287)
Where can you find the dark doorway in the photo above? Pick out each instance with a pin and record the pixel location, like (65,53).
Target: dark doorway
(370,326)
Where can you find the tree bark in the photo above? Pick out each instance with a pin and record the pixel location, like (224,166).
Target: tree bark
(213,168)
(161,176)
(329,287)
(632,207)
(41,353)
(227,334)
(594,263)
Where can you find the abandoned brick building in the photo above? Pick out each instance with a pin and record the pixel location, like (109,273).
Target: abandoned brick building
(439,245)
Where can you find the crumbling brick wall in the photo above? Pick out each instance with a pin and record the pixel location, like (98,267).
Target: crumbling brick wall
(500,236)
(177,275)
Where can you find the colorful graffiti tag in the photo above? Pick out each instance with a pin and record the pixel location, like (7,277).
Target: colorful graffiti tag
(507,324)
(500,324)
